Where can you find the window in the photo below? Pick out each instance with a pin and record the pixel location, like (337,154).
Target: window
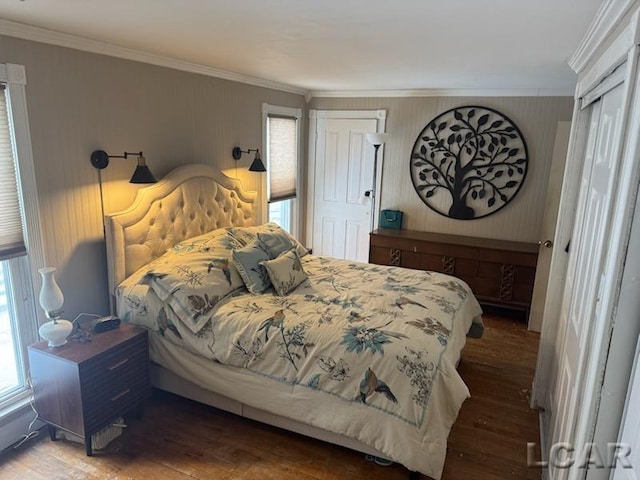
(9,374)
(282,147)
(20,246)
(13,373)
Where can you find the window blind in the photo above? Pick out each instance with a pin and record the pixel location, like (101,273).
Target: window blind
(11,236)
(282,157)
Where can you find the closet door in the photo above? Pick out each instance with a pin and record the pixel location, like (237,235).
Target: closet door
(630,434)
(581,315)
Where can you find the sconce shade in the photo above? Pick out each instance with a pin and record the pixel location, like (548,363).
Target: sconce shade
(142,173)
(257,165)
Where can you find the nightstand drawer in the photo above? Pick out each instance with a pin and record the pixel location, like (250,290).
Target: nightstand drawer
(115,381)
(114,361)
(114,368)
(103,409)
(107,383)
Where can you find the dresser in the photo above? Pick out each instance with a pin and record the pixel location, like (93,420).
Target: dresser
(83,387)
(499,272)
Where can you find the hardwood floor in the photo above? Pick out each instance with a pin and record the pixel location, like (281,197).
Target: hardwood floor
(179,439)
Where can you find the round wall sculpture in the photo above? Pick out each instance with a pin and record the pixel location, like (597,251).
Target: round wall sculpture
(469,162)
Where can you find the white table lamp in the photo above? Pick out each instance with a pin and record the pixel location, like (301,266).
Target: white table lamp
(51,299)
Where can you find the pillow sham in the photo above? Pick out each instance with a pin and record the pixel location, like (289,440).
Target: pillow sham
(193,279)
(216,239)
(275,243)
(285,272)
(247,262)
(248,234)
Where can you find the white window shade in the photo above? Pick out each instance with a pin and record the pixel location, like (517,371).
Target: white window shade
(282,157)
(11,236)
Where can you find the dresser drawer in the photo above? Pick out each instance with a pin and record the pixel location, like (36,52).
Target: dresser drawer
(498,272)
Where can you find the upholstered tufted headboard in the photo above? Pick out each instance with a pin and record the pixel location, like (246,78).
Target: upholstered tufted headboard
(190,200)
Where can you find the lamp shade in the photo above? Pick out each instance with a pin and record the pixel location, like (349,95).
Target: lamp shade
(142,174)
(257,165)
(377,138)
(51,299)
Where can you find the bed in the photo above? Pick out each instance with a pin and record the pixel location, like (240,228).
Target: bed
(359,355)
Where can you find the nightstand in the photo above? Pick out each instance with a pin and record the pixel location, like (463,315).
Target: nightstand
(83,387)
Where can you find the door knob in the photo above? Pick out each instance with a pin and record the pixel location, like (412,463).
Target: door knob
(546,243)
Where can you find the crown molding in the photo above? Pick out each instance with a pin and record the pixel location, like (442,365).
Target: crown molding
(52,37)
(607,17)
(447,92)
(43,35)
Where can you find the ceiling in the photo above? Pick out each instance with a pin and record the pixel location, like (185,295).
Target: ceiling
(335,46)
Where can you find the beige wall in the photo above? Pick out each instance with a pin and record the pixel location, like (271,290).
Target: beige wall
(79,102)
(537,118)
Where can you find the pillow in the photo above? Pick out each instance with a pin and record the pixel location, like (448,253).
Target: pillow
(248,234)
(285,272)
(275,243)
(218,238)
(247,262)
(193,280)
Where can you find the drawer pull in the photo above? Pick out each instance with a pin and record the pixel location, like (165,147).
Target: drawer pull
(120,395)
(119,364)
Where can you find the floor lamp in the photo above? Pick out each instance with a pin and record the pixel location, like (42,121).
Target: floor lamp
(375,139)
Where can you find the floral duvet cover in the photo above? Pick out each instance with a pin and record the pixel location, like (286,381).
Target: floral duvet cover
(374,336)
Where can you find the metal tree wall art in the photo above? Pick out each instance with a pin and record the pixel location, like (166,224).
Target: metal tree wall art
(469,162)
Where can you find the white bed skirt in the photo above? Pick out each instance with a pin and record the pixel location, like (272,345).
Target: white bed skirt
(243,393)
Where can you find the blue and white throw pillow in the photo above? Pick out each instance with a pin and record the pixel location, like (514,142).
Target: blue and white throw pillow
(285,272)
(275,243)
(247,261)
(247,234)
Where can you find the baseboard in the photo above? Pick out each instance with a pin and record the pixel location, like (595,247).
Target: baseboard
(13,428)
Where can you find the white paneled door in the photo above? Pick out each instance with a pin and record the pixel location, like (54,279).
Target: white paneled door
(343,173)
(581,312)
(541,292)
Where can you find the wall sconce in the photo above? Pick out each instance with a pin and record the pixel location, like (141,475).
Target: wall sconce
(256,165)
(142,174)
